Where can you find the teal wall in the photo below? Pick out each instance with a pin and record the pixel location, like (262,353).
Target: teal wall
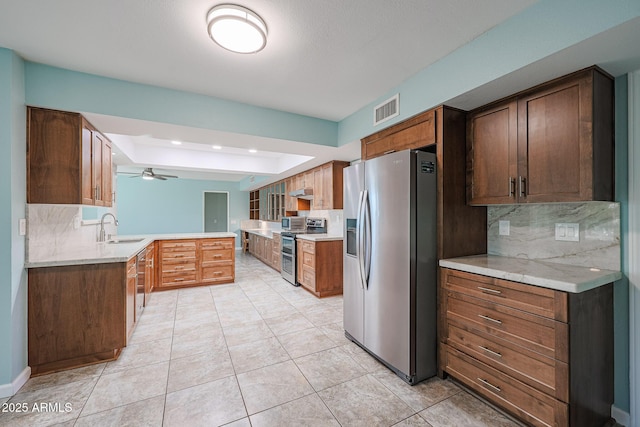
(621,287)
(13,284)
(173,206)
(543,29)
(73,91)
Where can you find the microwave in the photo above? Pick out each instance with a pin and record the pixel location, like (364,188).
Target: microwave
(290,223)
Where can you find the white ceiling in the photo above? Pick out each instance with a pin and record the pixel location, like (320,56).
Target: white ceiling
(324,58)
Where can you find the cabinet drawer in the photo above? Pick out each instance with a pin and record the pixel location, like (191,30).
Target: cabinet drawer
(178,278)
(179,245)
(173,257)
(532,332)
(217,244)
(217,273)
(538,409)
(309,247)
(309,260)
(543,373)
(216,255)
(185,266)
(532,299)
(309,276)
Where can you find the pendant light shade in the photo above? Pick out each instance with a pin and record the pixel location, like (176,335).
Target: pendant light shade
(237,28)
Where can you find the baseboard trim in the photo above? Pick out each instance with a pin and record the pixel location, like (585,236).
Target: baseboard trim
(8,390)
(620,416)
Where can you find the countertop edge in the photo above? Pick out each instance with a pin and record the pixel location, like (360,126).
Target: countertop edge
(124,251)
(602,277)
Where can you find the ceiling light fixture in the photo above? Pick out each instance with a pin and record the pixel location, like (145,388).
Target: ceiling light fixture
(216,147)
(253,150)
(237,28)
(176,142)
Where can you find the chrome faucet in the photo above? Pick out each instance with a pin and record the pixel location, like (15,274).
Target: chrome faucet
(101,236)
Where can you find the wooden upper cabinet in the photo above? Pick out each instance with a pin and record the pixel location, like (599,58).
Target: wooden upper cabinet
(562,134)
(327,185)
(416,132)
(68,160)
(492,154)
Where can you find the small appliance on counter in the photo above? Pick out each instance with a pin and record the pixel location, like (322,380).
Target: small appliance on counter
(293,223)
(288,241)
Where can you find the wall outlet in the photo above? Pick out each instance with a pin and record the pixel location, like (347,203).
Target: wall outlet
(22,227)
(568,231)
(504,228)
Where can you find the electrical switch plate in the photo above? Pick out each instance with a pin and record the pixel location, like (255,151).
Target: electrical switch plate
(22,227)
(568,231)
(503,228)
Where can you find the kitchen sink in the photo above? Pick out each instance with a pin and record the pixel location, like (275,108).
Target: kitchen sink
(120,241)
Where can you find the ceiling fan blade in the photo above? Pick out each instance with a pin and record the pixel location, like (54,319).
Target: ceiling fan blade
(165,176)
(160,177)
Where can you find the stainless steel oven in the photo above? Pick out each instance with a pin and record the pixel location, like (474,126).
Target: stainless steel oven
(288,267)
(288,241)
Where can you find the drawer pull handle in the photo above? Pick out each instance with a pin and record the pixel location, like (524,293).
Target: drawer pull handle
(489,290)
(488,384)
(179,279)
(495,353)
(491,319)
(217,256)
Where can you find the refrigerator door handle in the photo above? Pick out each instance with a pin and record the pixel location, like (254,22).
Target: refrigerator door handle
(360,238)
(366,238)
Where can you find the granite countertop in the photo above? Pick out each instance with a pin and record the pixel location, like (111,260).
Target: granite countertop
(561,277)
(318,237)
(104,252)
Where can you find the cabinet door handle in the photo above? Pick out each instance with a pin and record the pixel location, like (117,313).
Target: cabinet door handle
(488,350)
(491,291)
(488,384)
(512,186)
(491,319)
(523,186)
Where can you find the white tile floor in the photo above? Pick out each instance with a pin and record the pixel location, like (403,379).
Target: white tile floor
(258,352)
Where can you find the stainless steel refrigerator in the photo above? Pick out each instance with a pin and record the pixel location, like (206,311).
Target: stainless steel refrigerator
(390,261)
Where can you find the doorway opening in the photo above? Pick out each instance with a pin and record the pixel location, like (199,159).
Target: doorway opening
(216,211)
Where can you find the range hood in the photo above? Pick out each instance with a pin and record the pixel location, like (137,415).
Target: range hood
(303,193)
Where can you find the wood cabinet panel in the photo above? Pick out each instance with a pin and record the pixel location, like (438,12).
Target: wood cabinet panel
(68,160)
(77,315)
(530,338)
(492,154)
(196,262)
(551,143)
(530,405)
(532,299)
(416,132)
(320,266)
(527,330)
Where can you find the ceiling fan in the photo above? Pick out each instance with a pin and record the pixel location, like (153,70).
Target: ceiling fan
(148,173)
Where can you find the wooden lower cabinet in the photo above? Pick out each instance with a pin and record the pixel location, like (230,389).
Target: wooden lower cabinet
(266,249)
(79,314)
(320,266)
(276,260)
(217,260)
(195,262)
(544,356)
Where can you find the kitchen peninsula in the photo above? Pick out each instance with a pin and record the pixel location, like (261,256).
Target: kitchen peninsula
(85,301)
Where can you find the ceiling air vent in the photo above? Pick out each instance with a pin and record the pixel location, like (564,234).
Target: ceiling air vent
(387,110)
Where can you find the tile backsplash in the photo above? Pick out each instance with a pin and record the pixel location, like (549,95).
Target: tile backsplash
(532,233)
(51,228)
